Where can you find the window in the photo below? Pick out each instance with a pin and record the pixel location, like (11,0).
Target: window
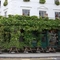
(26,12)
(42,13)
(5,13)
(57,14)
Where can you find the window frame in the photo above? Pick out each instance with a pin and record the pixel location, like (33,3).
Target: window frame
(58,15)
(43,13)
(26,12)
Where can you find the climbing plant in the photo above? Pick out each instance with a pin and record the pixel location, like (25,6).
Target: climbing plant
(30,27)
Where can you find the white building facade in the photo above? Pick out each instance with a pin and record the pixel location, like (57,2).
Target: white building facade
(30,8)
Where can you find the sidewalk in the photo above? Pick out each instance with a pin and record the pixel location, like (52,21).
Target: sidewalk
(28,59)
(30,55)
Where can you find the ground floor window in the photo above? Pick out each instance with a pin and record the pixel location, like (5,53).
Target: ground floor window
(26,12)
(42,13)
(57,14)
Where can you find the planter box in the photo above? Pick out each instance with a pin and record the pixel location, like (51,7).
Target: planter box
(26,0)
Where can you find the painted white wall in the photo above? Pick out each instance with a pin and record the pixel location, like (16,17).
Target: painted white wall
(15,7)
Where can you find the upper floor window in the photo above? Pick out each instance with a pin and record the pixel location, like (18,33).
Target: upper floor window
(57,14)
(25,12)
(42,13)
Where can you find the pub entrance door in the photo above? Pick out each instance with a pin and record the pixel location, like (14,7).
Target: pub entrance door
(44,39)
(53,38)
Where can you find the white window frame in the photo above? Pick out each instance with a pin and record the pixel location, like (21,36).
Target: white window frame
(58,15)
(26,12)
(42,15)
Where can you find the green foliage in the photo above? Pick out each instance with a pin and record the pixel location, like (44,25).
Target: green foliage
(42,1)
(13,25)
(39,43)
(34,18)
(5,3)
(28,36)
(57,2)
(26,0)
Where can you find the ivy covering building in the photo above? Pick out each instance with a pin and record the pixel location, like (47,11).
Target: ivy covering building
(31,31)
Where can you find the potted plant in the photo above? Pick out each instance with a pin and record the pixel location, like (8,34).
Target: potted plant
(26,0)
(57,2)
(5,3)
(42,1)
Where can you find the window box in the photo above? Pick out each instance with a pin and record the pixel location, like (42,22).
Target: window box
(57,2)
(42,1)
(5,3)
(26,0)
